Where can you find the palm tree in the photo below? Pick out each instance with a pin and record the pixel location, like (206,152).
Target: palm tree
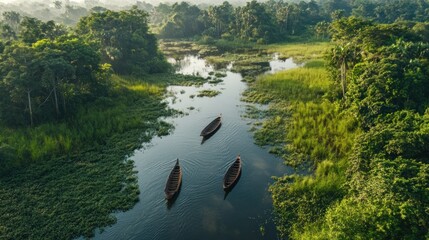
(342,56)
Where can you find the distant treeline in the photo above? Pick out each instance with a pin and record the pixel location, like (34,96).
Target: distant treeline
(269,21)
(48,70)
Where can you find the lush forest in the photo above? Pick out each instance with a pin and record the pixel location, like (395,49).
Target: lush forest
(263,22)
(358,119)
(68,121)
(81,86)
(49,72)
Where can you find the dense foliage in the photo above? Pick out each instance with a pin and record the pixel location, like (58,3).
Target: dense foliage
(124,40)
(47,71)
(366,140)
(72,185)
(67,124)
(48,79)
(251,21)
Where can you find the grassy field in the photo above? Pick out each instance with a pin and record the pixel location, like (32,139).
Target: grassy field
(78,171)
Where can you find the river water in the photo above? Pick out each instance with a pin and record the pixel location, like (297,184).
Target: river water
(202,210)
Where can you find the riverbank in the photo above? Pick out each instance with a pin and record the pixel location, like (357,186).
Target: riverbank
(203,206)
(78,171)
(309,132)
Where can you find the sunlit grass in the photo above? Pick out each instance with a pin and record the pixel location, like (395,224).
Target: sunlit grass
(301,84)
(300,51)
(307,131)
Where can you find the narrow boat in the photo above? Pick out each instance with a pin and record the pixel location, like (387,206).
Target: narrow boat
(212,127)
(173,182)
(232,174)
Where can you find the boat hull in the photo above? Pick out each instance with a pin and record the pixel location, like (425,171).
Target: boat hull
(232,175)
(174,181)
(211,127)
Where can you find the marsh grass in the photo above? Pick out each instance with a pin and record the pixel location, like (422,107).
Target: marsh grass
(246,63)
(300,52)
(300,84)
(176,49)
(157,81)
(215,81)
(309,132)
(208,93)
(235,45)
(303,126)
(63,180)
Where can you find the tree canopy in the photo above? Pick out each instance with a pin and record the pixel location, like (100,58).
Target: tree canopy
(124,41)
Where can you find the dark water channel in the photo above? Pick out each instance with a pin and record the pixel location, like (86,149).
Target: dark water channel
(202,210)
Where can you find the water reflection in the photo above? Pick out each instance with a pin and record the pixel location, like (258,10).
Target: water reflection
(202,207)
(277,64)
(192,65)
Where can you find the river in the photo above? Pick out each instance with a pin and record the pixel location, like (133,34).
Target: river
(202,210)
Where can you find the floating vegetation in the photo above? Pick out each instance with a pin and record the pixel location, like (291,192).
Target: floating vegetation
(80,174)
(215,81)
(177,49)
(246,63)
(249,79)
(254,112)
(161,80)
(208,93)
(220,75)
(192,96)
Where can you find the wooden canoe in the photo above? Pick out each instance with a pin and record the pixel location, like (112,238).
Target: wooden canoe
(232,174)
(173,182)
(212,127)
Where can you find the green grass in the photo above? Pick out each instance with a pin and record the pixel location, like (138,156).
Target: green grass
(300,52)
(63,180)
(309,132)
(301,84)
(319,131)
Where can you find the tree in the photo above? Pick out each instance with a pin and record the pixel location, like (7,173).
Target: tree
(393,80)
(33,30)
(8,33)
(49,79)
(220,17)
(13,19)
(124,40)
(17,70)
(183,21)
(348,49)
(58,4)
(342,57)
(321,29)
(252,22)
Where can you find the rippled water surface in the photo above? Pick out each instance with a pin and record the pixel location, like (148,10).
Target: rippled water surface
(202,210)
